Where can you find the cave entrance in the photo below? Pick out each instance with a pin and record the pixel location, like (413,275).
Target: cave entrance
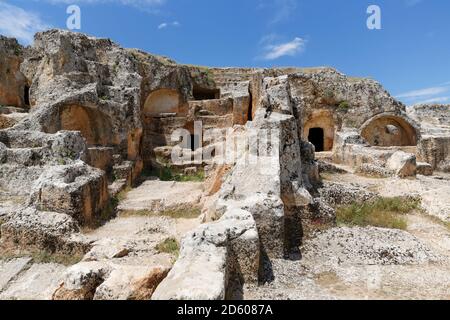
(250,108)
(26,96)
(162,101)
(95,126)
(317,138)
(200,93)
(388,130)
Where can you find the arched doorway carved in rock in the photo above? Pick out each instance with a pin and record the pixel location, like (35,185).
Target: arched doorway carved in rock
(94,125)
(388,130)
(319,130)
(162,101)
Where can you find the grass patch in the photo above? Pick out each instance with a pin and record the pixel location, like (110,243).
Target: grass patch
(18,200)
(108,212)
(436,220)
(170,174)
(447,225)
(43,257)
(181,213)
(344,105)
(64,259)
(327,176)
(122,195)
(1,222)
(329,96)
(382,212)
(170,246)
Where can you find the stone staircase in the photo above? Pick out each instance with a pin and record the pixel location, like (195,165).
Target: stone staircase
(9,116)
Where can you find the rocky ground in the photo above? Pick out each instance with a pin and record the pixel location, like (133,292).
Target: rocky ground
(433,190)
(371,263)
(336,263)
(147,217)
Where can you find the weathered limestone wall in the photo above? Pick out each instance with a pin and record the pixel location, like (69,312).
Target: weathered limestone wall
(390,130)
(86,84)
(353,151)
(433,118)
(77,190)
(12,81)
(435,126)
(267,205)
(211,258)
(321,119)
(163,101)
(435,150)
(60,191)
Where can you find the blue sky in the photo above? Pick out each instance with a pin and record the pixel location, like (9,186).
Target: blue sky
(409,55)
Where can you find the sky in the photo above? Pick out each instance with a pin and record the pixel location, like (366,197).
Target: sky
(409,55)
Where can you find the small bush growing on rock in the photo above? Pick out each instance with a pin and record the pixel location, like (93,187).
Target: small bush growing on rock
(344,105)
(329,94)
(382,212)
(122,195)
(170,245)
(17,51)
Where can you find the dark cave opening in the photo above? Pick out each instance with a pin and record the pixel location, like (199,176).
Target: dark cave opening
(317,138)
(200,93)
(26,95)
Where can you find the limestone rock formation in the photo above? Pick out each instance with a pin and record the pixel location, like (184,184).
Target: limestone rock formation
(13,84)
(84,121)
(434,145)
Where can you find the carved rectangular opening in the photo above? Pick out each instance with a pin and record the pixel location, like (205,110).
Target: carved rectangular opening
(200,93)
(316,137)
(26,96)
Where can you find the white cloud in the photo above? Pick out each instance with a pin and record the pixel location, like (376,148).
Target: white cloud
(168,24)
(434,100)
(125,2)
(436,94)
(411,3)
(163,25)
(147,5)
(281,10)
(18,23)
(291,48)
(427,92)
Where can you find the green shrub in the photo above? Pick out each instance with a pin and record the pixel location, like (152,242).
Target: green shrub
(17,51)
(344,105)
(382,212)
(170,246)
(171,174)
(329,94)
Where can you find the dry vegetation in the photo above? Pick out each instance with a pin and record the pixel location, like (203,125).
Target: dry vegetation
(179,213)
(171,174)
(382,212)
(169,245)
(42,257)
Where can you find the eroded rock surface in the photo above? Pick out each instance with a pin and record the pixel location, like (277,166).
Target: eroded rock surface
(82,118)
